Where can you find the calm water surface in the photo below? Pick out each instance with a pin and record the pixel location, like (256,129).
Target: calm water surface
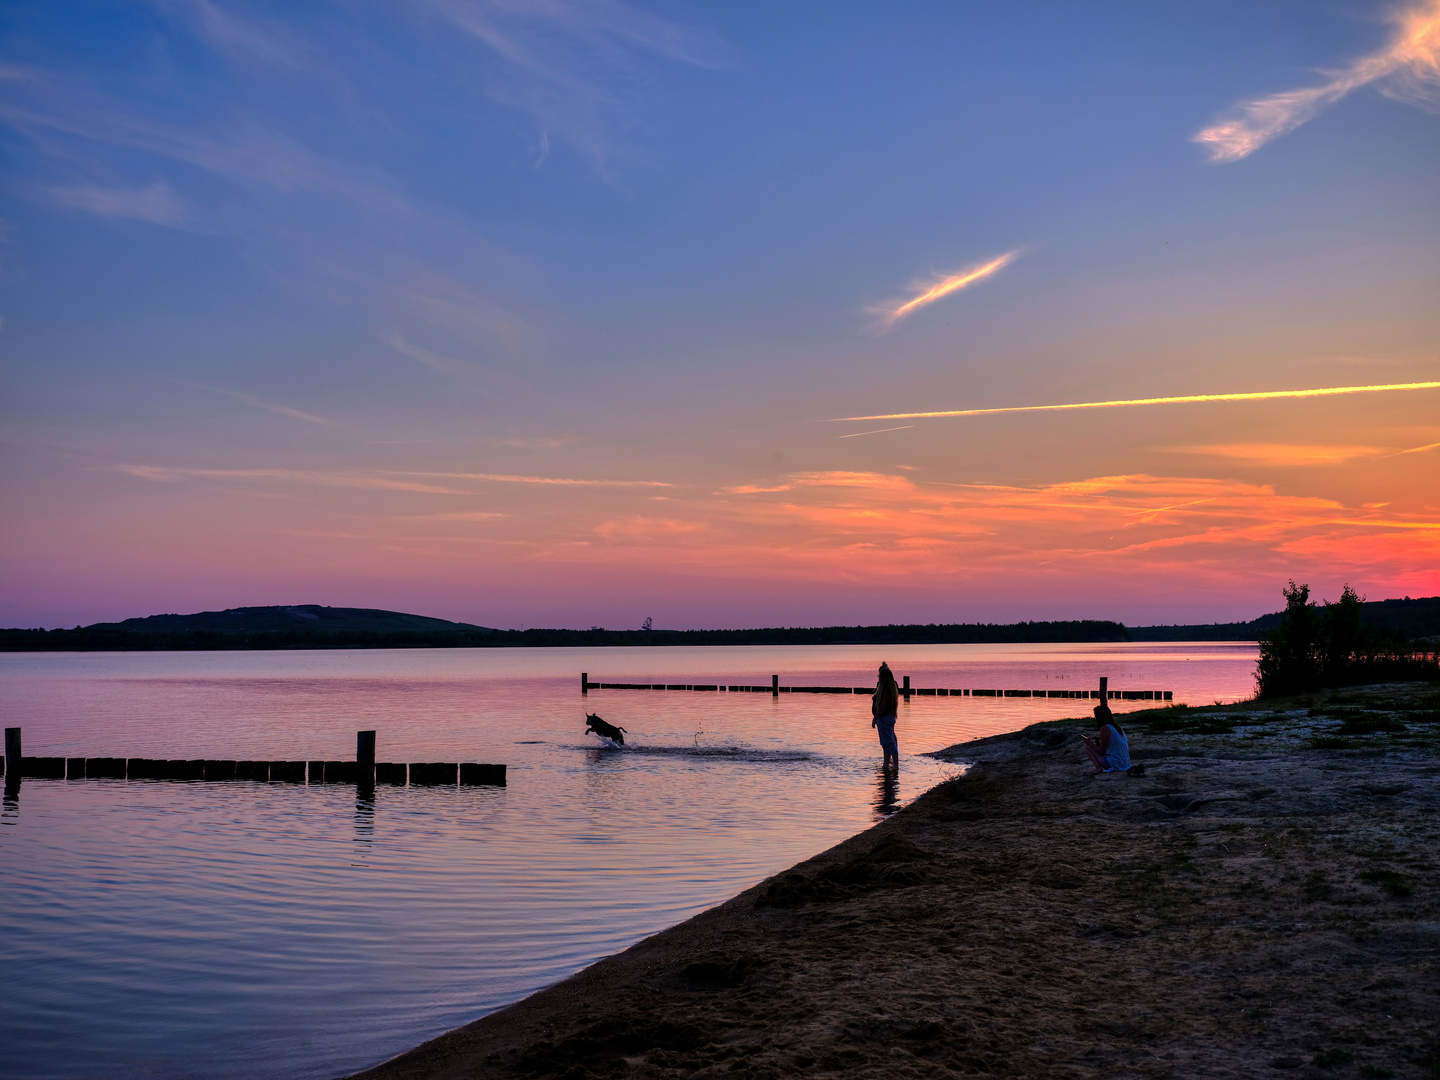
(157,929)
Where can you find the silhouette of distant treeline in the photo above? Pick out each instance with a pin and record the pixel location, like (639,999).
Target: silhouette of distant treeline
(108,638)
(1396,620)
(315,627)
(312,626)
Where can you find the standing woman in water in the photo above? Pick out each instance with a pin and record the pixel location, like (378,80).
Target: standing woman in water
(883,706)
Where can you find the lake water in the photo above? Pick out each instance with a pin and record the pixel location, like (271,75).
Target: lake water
(159,929)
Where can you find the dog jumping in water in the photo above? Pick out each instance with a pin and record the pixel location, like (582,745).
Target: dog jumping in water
(604,730)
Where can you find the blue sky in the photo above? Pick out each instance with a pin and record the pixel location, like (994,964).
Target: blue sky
(285,288)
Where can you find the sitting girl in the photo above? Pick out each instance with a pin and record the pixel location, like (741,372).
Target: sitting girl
(1109,750)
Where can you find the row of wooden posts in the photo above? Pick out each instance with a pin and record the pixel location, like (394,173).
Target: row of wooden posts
(906,691)
(364,771)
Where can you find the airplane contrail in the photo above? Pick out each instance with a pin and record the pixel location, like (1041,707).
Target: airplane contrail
(1188,399)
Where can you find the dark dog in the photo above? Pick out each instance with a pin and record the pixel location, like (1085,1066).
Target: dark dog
(604,730)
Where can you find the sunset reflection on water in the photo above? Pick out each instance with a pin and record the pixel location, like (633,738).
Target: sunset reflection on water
(248,929)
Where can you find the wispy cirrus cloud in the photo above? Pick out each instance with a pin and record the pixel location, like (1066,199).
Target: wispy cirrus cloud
(392,479)
(433,360)
(166,474)
(1283,454)
(642,530)
(557,481)
(570,63)
(268,406)
(248,153)
(1407,68)
(157,204)
(267,42)
(924,293)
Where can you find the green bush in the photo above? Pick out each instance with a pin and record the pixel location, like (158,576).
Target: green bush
(1313,647)
(1370,725)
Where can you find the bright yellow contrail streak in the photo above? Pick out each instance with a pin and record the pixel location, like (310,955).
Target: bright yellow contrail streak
(948,285)
(1189,399)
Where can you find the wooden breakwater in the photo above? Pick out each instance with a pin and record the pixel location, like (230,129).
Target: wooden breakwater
(364,771)
(906,690)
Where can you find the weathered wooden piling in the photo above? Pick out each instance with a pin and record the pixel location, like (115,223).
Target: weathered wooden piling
(584,682)
(287,772)
(344,772)
(105,768)
(905,688)
(389,772)
(433,773)
(75,768)
(12,750)
(472,773)
(219,770)
(364,760)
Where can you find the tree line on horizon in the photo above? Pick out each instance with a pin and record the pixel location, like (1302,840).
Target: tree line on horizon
(108,636)
(1304,640)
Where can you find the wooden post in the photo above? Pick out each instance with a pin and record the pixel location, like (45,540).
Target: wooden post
(774,687)
(584,682)
(906,691)
(13,769)
(365,759)
(1104,688)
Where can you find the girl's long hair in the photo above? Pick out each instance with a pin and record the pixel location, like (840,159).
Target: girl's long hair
(887,679)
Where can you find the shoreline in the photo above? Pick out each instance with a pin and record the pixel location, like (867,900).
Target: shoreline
(1266,897)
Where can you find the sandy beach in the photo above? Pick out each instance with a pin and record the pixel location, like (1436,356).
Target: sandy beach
(1264,900)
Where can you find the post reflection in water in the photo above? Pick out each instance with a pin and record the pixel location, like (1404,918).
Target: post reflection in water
(364,817)
(887,796)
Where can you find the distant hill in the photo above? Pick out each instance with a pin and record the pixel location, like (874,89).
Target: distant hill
(1402,620)
(301,617)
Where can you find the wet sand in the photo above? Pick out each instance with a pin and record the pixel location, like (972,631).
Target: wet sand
(1263,901)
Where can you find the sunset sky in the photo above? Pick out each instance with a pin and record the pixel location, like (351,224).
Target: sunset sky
(556,312)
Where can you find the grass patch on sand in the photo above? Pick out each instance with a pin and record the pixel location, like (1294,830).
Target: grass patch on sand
(1394,883)
(1372,724)
(1182,720)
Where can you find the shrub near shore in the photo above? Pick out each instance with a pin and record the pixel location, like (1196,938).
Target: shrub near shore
(1314,647)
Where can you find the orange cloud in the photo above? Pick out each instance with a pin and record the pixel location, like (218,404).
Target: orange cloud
(1283,453)
(644,529)
(1408,68)
(854,527)
(892,311)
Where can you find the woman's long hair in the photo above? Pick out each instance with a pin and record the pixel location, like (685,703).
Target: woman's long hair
(887,679)
(1104,716)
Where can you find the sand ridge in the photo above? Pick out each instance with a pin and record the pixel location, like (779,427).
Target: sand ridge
(1264,901)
